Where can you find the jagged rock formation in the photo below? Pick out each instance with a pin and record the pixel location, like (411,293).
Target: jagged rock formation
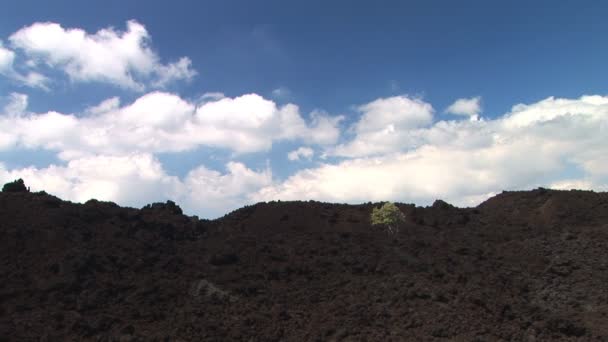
(522,266)
(16,186)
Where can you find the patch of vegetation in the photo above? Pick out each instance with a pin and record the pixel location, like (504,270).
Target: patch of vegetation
(389,216)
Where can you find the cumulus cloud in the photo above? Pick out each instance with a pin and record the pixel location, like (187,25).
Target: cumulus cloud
(133,178)
(31,79)
(323,129)
(302,152)
(401,112)
(470,107)
(139,179)
(551,108)
(250,123)
(211,191)
(464,162)
(122,58)
(416,176)
(383,125)
(164,122)
(555,142)
(7,58)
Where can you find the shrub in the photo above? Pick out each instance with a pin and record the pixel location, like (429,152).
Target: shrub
(388,215)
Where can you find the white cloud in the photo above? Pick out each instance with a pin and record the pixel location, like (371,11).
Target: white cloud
(237,122)
(250,123)
(31,79)
(523,115)
(464,162)
(7,57)
(139,179)
(134,180)
(120,58)
(401,112)
(404,156)
(576,184)
(211,191)
(17,104)
(180,70)
(105,106)
(163,122)
(419,176)
(323,130)
(34,80)
(382,125)
(470,107)
(302,152)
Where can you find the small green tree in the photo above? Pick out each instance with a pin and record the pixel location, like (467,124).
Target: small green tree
(388,215)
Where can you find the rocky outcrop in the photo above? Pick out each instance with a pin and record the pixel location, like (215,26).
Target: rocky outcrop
(16,186)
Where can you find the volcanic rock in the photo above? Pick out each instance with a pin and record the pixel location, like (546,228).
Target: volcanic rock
(522,266)
(16,186)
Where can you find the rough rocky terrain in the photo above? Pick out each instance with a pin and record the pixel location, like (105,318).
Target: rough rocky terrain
(522,266)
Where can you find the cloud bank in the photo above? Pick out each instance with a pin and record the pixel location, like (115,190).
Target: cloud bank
(553,142)
(163,122)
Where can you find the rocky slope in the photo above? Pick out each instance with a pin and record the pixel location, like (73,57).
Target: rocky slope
(522,266)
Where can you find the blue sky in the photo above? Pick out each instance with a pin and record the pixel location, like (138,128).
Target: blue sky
(428,90)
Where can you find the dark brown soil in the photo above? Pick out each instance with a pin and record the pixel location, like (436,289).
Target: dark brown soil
(522,266)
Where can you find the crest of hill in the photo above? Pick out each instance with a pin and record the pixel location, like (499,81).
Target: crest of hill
(549,206)
(540,205)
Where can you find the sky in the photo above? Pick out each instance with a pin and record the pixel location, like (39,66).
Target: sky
(216,105)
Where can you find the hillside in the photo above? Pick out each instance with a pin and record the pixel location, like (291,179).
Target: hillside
(522,266)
